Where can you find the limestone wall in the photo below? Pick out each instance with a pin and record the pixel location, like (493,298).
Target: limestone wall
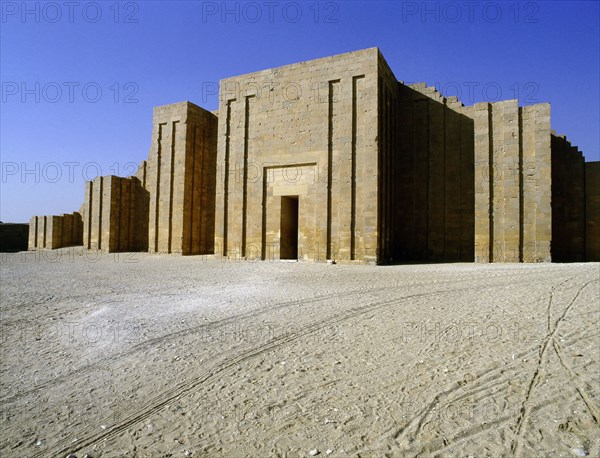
(307,130)
(114,214)
(13,237)
(434,199)
(180,179)
(335,159)
(142,206)
(55,231)
(389,164)
(512,182)
(592,211)
(568,201)
(535,174)
(477,179)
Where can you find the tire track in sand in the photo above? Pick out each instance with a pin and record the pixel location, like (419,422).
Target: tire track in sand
(552,329)
(229,362)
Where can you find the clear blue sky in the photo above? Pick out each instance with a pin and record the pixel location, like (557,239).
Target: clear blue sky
(79,80)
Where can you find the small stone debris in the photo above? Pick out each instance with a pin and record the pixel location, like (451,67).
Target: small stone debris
(314,452)
(38,442)
(71,455)
(329,452)
(579,452)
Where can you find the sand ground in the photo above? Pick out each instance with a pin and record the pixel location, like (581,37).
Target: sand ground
(142,355)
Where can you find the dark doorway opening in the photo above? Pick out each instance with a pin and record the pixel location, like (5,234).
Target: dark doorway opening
(289,228)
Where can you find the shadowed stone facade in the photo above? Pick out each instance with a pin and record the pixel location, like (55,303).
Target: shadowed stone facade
(336,159)
(13,237)
(592,211)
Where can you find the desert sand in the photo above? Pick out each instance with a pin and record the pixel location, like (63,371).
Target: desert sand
(150,356)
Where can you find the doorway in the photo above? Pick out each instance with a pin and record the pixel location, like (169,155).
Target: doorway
(289,228)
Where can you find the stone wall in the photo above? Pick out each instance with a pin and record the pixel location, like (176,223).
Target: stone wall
(476,179)
(592,211)
(335,159)
(180,179)
(114,214)
(305,131)
(389,164)
(13,237)
(568,202)
(434,200)
(512,181)
(55,231)
(142,206)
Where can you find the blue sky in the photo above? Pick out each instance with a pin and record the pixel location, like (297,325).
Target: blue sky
(80,79)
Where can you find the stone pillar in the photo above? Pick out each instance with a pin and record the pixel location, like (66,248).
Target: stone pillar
(32,243)
(536,183)
(180,180)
